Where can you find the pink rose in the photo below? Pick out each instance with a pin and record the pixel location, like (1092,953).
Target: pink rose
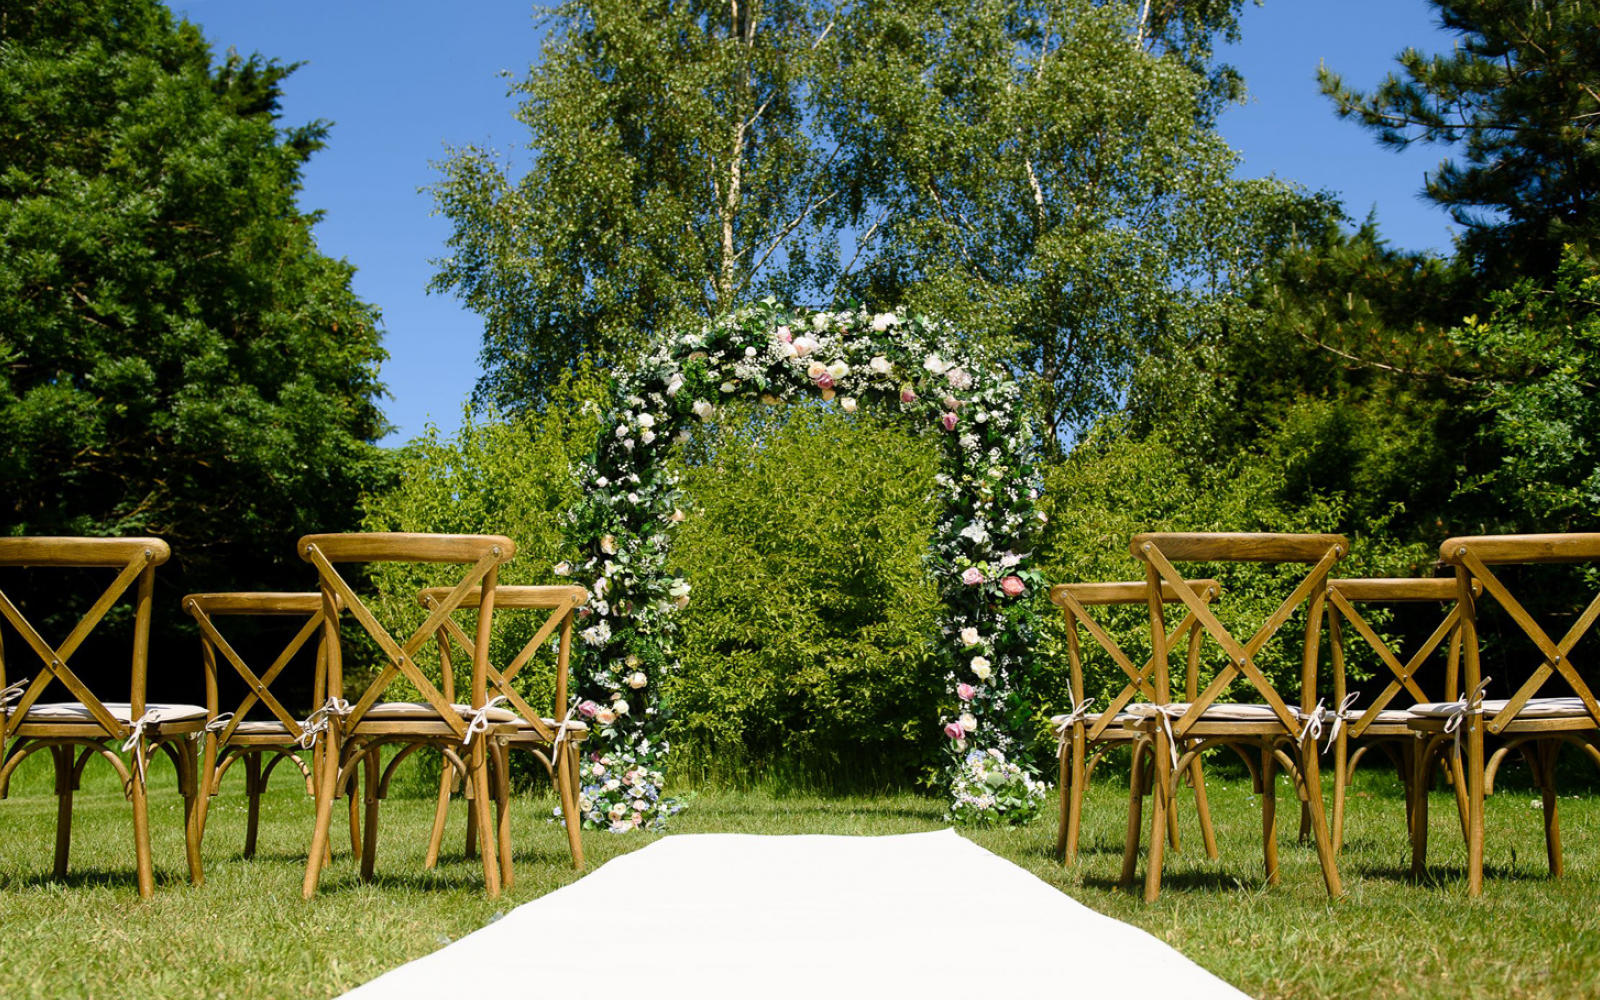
(1013,586)
(965,691)
(587,709)
(948,421)
(954,730)
(804,345)
(784,334)
(823,380)
(972,577)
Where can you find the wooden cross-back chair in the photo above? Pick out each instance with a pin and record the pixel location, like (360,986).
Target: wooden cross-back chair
(356,732)
(1384,721)
(1085,736)
(261,744)
(1276,732)
(1536,726)
(90,726)
(553,742)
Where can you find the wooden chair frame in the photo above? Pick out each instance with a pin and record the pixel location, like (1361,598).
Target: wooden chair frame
(554,743)
(1085,737)
(1539,739)
(354,740)
(261,749)
(73,743)
(1188,726)
(1367,729)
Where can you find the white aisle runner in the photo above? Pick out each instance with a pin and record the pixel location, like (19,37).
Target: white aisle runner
(736,915)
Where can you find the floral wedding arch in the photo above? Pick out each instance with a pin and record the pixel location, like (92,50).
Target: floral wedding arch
(624,524)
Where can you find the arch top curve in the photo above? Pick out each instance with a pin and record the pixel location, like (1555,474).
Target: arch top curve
(908,365)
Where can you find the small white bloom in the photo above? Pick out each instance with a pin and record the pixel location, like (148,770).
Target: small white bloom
(646,421)
(968,441)
(883,321)
(562,569)
(680,588)
(848,404)
(880,365)
(727,387)
(703,409)
(934,364)
(819,322)
(958,379)
(608,544)
(602,482)
(637,680)
(788,350)
(674,385)
(969,636)
(968,722)
(838,369)
(749,352)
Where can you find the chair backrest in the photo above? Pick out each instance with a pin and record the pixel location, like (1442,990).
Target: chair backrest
(1075,599)
(1343,598)
(1471,556)
(205,608)
(135,560)
(483,555)
(560,601)
(1159,550)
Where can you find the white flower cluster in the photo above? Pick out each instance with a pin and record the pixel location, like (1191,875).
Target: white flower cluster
(904,364)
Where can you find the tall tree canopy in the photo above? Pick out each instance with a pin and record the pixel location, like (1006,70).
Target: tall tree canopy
(176,358)
(1046,174)
(1519,101)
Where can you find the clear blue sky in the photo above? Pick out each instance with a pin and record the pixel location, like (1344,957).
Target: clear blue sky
(402,79)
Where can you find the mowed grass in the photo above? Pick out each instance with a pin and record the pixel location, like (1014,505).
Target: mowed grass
(247,933)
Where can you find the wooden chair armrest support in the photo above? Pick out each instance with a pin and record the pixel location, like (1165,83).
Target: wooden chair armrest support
(111,553)
(1237,546)
(1493,549)
(513,597)
(408,547)
(1402,589)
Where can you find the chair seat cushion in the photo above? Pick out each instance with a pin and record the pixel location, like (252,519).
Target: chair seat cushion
(1387,715)
(1216,712)
(423,710)
(270,727)
(75,711)
(573,725)
(1536,708)
(1058,721)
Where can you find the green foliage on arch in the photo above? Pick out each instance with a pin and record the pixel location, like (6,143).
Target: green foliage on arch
(987,488)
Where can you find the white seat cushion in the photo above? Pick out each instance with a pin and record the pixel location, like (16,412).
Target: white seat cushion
(1057,721)
(1536,708)
(1389,715)
(74,711)
(423,710)
(264,728)
(1215,712)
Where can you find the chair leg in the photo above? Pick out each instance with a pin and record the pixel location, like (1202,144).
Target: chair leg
(1421,782)
(1341,788)
(1208,834)
(1311,774)
(191,812)
(369,794)
(203,780)
(252,791)
(1474,724)
(501,763)
(1547,786)
(1160,804)
(486,840)
(63,763)
(441,812)
(1130,843)
(468,792)
(567,789)
(141,834)
(1063,782)
(1173,838)
(1269,812)
(326,782)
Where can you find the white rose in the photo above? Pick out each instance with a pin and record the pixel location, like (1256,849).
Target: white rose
(637,680)
(838,369)
(982,668)
(967,441)
(620,707)
(608,544)
(788,350)
(880,365)
(622,430)
(727,387)
(815,368)
(848,404)
(934,364)
(602,482)
(562,569)
(969,636)
(613,785)
(958,379)
(803,346)
(883,321)
(819,322)
(646,421)
(702,409)
(647,436)
(605,717)
(968,722)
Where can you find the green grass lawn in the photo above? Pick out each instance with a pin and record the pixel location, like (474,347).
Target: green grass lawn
(246,932)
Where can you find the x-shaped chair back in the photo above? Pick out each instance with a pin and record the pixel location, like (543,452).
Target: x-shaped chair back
(1075,599)
(206,607)
(135,560)
(1344,595)
(1472,556)
(482,554)
(1160,550)
(560,602)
